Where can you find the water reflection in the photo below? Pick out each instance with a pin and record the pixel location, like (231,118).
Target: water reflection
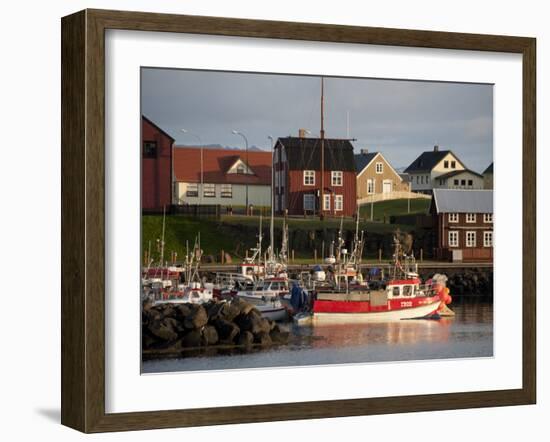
(468,334)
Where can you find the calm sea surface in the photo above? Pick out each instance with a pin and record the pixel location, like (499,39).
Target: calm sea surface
(468,334)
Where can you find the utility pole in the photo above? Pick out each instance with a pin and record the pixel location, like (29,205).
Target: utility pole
(321,193)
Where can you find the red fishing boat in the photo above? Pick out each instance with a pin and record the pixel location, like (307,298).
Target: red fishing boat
(401,296)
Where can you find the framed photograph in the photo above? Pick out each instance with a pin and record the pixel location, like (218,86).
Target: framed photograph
(266,221)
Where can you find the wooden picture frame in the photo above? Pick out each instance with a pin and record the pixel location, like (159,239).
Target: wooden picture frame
(83,220)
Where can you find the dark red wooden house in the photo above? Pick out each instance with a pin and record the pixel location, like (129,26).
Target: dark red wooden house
(156,167)
(298,183)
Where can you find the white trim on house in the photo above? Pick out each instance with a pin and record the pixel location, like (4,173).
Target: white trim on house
(471,238)
(338,203)
(309,174)
(471,218)
(336,174)
(453,238)
(326,201)
(488,238)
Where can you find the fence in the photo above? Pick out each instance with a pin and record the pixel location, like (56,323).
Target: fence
(391,196)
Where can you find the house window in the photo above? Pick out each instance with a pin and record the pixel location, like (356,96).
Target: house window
(453,217)
(336,178)
(309,202)
(370,185)
(241,169)
(338,202)
(470,183)
(462,182)
(192,190)
(446,164)
(309,178)
(453,164)
(150,149)
(379,167)
(487,218)
(226,191)
(209,191)
(470,217)
(455,182)
(470,239)
(326,201)
(488,238)
(453,238)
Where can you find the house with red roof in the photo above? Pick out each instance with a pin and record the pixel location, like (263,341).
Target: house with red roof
(228,177)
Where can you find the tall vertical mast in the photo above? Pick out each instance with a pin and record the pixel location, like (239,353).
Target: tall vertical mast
(321,197)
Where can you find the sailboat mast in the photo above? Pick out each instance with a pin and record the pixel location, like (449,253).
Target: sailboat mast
(162,237)
(321,193)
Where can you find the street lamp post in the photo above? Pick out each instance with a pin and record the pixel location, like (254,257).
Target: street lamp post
(185,131)
(236,132)
(272,192)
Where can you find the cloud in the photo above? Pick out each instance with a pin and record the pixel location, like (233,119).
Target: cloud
(399,118)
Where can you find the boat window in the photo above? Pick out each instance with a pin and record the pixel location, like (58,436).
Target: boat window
(395,291)
(407,290)
(274,286)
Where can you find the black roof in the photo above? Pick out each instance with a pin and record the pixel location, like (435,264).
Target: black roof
(305,153)
(362,160)
(427,161)
(458,172)
(489,169)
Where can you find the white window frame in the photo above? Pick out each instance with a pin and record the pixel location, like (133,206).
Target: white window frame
(487,238)
(471,218)
(454,238)
(326,201)
(379,167)
(309,178)
(471,238)
(209,190)
(309,197)
(338,203)
(453,217)
(226,191)
(371,186)
(337,178)
(488,218)
(192,190)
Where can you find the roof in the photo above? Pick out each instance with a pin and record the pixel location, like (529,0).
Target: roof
(143,117)
(458,172)
(362,160)
(489,169)
(463,201)
(216,163)
(305,153)
(428,160)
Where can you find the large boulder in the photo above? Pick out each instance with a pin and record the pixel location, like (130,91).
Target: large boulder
(163,330)
(245,339)
(192,338)
(209,335)
(263,339)
(196,319)
(227,331)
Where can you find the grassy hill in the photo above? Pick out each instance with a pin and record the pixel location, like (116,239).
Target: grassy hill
(382,210)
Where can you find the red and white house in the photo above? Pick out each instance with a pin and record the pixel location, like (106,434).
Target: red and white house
(298,181)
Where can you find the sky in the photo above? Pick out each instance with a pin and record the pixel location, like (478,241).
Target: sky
(399,118)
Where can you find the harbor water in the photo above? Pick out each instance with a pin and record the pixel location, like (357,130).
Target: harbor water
(469,334)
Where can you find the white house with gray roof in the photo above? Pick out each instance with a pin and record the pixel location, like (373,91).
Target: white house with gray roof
(424,170)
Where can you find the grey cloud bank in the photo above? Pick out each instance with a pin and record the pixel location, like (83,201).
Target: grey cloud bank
(397,117)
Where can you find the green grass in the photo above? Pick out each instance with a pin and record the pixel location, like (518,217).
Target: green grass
(382,210)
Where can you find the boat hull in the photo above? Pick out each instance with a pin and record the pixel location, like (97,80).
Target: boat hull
(358,314)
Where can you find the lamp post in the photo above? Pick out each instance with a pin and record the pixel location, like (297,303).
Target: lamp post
(185,131)
(236,132)
(272,197)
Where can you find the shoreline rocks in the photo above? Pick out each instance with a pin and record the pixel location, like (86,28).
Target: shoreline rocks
(169,329)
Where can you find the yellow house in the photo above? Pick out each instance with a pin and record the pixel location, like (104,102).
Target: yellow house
(377,179)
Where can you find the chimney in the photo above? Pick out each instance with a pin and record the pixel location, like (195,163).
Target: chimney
(364,151)
(436,148)
(302,133)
